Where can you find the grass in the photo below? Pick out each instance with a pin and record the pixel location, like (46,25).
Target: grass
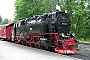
(84,41)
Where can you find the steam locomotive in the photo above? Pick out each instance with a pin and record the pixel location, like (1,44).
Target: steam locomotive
(50,31)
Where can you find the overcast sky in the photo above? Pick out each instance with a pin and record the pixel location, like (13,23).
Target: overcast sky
(7,9)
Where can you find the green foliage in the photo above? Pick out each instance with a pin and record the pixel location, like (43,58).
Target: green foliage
(0,19)
(28,8)
(5,21)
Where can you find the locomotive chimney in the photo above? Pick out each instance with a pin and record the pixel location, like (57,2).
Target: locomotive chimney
(58,8)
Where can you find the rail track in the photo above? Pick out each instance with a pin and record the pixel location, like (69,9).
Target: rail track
(83,52)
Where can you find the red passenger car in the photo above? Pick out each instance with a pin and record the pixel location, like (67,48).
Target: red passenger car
(5,31)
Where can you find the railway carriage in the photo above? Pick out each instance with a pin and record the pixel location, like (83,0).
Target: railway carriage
(5,31)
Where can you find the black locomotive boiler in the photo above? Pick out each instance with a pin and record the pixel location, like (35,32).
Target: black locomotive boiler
(50,31)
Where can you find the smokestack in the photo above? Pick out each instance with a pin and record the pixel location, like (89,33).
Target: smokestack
(58,8)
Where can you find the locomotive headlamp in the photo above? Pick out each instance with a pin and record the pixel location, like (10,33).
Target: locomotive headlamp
(73,34)
(65,11)
(30,29)
(58,8)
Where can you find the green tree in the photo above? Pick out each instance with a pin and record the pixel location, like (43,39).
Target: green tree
(29,8)
(0,19)
(5,21)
